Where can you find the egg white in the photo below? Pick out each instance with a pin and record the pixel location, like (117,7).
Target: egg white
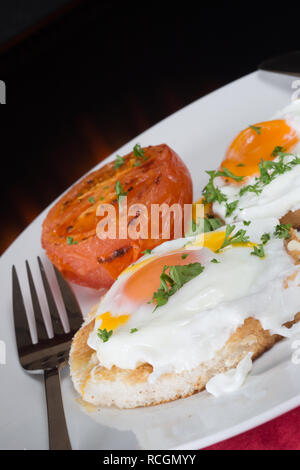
(198,319)
(277,198)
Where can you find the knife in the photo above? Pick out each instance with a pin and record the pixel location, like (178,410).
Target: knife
(287,64)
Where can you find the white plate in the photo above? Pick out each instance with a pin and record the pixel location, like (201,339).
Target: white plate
(200,134)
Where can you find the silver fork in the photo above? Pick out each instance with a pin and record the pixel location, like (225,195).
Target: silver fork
(48,355)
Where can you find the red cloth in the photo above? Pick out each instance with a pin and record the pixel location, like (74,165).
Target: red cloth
(282,433)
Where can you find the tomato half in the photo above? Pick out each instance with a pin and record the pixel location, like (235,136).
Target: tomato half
(69,230)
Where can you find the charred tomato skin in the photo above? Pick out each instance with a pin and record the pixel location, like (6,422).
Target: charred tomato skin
(69,230)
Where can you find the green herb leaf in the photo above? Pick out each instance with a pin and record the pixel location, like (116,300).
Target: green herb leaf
(258,251)
(238,237)
(118,162)
(225,172)
(120,192)
(172,282)
(247,222)
(92,200)
(265,238)
(211,193)
(256,129)
(104,334)
(231,207)
(133,330)
(283,231)
(184,256)
(71,241)
(147,252)
(139,153)
(215,261)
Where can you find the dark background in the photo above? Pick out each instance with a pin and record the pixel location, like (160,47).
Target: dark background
(84,77)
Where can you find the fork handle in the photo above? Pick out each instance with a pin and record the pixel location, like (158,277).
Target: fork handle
(58,431)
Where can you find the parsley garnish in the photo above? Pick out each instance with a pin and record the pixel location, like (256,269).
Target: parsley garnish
(256,129)
(231,207)
(147,252)
(118,162)
(184,256)
(265,238)
(71,241)
(172,282)
(133,330)
(92,200)
(258,251)
(214,260)
(238,237)
(211,193)
(228,174)
(283,231)
(270,169)
(139,154)
(208,224)
(104,334)
(246,222)
(120,192)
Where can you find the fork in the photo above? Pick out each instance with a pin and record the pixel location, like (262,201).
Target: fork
(48,355)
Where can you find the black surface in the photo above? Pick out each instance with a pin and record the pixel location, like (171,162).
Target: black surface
(18,15)
(105,72)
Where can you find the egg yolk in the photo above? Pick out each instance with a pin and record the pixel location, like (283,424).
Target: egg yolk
(258,142)
(111,323)
(146,280)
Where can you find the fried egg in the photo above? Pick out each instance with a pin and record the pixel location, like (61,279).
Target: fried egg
(199,318)
(252,145)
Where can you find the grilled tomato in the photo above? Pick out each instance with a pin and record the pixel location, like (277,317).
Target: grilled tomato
(151,175)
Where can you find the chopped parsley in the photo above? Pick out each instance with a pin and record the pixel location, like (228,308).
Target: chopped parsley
(256,129)
(214,260)
(172,282)
(120,192)
(92,199)
(270,169)
(207,224)
(71,241)
(265,238)
(258,251)
(247,222)
(101,198)
(104,334)
(133,330)
(283,231)
(147,252)
(238,237)
(225,172)
(212,193)
(231,207)
(118,162)
(184,256)
(139,154)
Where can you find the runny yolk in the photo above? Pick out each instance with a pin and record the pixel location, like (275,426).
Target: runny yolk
(146,280)
(141,285)
(111,323)
(255,143)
